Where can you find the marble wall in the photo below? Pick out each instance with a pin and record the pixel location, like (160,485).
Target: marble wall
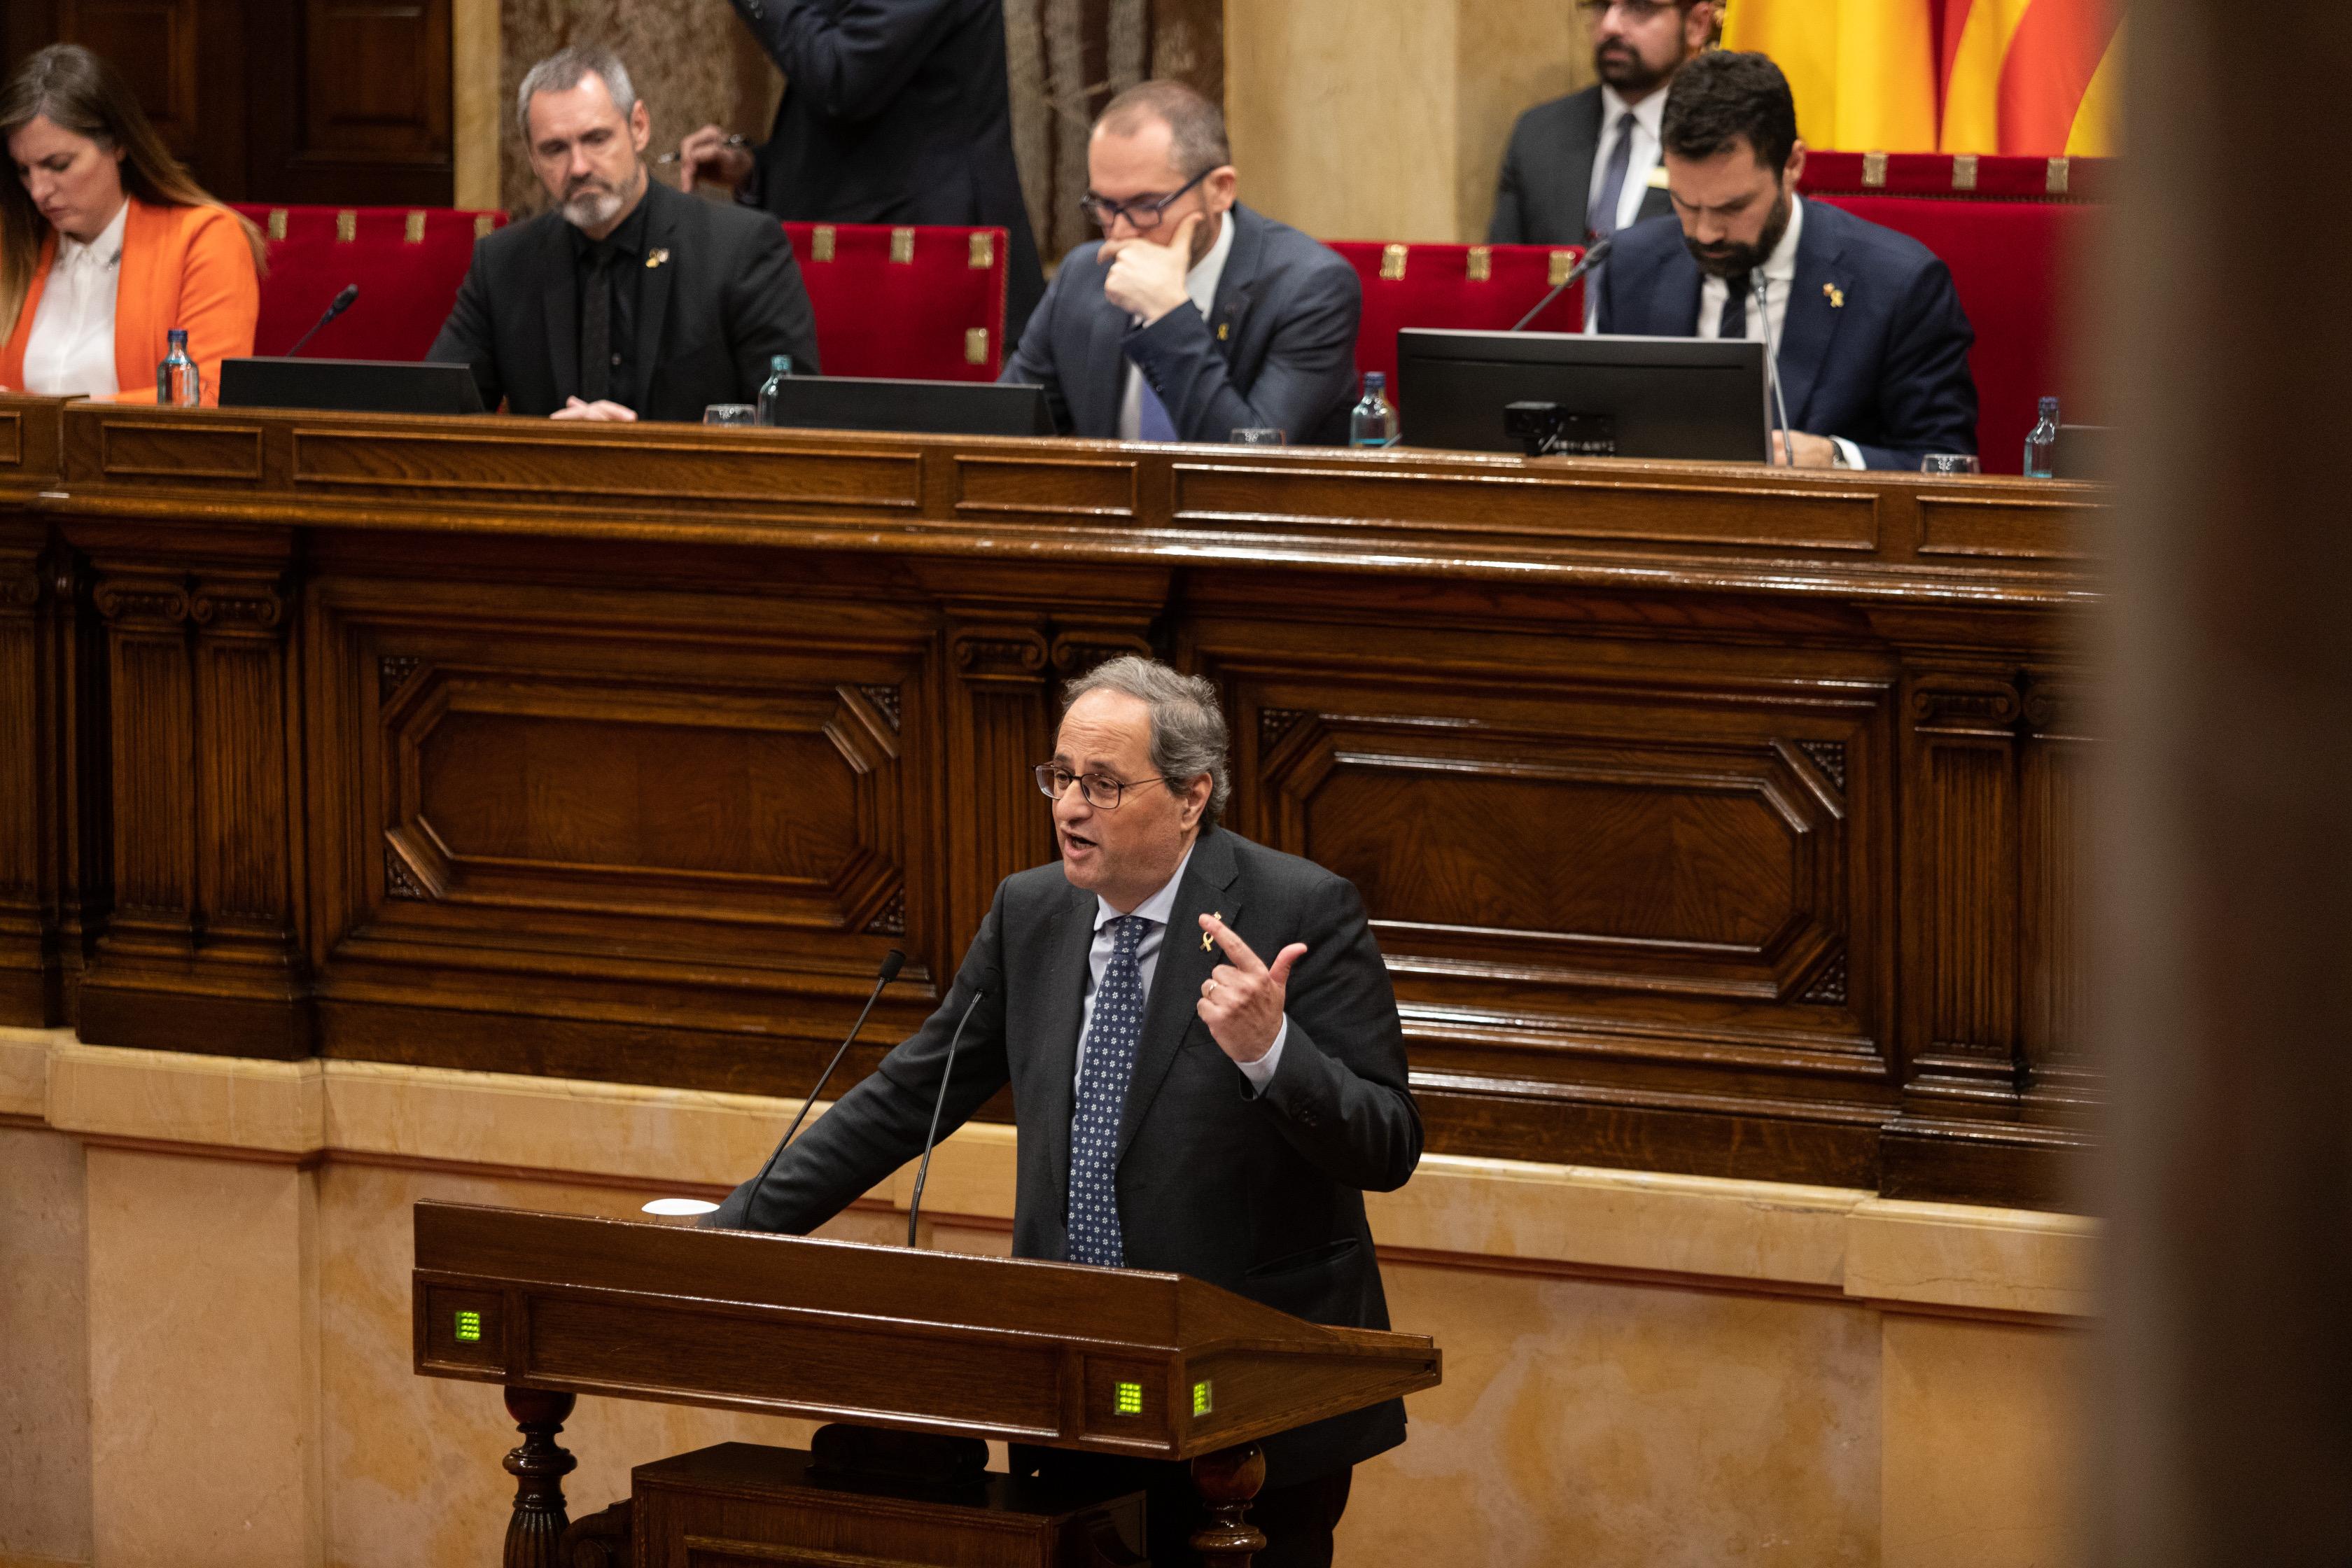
(1640,1369)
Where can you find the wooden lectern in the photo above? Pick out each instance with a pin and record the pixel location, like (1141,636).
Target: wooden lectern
(950,1348)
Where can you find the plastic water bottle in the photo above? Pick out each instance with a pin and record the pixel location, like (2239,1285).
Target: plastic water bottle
(2042,443)
(179,384)
(780,367)
(1373,423)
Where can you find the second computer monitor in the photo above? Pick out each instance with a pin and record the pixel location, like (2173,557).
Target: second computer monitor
(1688,399)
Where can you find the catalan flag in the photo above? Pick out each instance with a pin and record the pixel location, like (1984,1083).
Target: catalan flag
(2037,78)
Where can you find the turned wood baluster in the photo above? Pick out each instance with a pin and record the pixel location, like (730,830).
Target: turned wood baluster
(1226,1481)
(539,1467)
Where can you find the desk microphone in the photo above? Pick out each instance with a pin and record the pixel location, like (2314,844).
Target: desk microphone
(931,1138)
(343,302)
(892,962)
(1772,373)
(1594,254)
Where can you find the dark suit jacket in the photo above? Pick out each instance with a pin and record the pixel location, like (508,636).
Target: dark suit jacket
(895,111)
(1547,179)
(1887,369)
(1263,1195)
(1278,347)
(708,318)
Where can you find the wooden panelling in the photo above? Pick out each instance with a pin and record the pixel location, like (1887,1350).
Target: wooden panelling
(1711,819)
(369,122)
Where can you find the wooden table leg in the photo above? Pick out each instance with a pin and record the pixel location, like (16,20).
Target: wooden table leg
(539,1467)
(1226,1481)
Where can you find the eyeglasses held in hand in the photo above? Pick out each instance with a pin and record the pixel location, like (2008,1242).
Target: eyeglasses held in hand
(1100,790)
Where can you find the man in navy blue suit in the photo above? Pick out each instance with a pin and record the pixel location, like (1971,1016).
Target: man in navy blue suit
(1874,346)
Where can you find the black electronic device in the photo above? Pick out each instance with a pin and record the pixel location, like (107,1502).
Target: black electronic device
(910,408)
(349,385)
(1688,399)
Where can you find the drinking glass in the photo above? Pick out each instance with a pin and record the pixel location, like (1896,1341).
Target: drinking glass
(730,414)
(1947,464)
(1259,436)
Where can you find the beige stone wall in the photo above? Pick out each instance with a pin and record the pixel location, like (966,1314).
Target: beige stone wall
(1386,118)
(1640,1369)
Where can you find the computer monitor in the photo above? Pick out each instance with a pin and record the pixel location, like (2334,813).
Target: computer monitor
(918,407)
(349,385)
(1691,398)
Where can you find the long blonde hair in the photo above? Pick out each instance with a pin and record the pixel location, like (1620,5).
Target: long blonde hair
(78,92)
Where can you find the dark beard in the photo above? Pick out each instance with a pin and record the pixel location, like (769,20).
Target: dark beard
(1736,260)
(1626,70)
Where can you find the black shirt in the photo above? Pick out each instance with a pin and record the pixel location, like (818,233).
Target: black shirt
(622,255)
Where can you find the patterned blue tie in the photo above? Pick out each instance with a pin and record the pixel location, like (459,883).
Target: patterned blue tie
(1152,423)
(1102,1096)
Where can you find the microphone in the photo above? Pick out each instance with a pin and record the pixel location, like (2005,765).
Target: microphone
(892,962)
(1594,254)
(1774,395)
(930,1140)
(343,302)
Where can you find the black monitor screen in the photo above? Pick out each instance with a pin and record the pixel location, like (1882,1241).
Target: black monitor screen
(920,407)
(349,385)
(1688,399)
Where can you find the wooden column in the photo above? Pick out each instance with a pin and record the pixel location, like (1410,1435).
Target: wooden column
(539,1465)
(2226,936)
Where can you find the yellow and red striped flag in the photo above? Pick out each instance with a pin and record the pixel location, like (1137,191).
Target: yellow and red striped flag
(2035,78)
(1864,71)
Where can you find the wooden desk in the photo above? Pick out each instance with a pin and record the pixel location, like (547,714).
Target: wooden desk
(1714,818)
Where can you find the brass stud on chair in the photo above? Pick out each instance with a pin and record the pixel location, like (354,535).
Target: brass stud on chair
(278,223)
(1482,263)
(975,345)
(483,224)
(821,240)
(347,225)
(415,232)
(983,253)
(1563,262)
(1964,171)
(2054,182)
(902,246)
(1392,263)
(1874,171)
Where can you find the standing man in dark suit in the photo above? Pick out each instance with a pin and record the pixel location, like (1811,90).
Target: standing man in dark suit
(1583,166)
(628,300)
(1207,1071)
(894,111)
(1193,317)
(1874,346)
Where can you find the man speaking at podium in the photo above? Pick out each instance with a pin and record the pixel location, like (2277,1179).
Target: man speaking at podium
(1207,1068)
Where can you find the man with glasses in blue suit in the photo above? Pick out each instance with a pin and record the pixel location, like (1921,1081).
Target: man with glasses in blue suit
(1193,317)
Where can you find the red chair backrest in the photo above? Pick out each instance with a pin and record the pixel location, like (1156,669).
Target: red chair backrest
(908,304)
(1473,287)
(2009,229)
(407,261)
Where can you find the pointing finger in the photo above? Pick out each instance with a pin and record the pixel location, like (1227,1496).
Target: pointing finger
(1235,948)
(1285,960)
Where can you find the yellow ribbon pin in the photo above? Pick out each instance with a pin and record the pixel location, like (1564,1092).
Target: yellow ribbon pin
(1209,939)
(1836,295)
(655,258)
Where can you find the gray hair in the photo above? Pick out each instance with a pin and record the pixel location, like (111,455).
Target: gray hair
(567,69)
(1188,725)
(1196,127)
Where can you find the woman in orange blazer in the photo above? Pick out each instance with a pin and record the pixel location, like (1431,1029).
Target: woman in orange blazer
(145,250)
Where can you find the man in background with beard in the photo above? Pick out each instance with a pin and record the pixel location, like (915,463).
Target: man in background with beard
(1874,346)
(628,300)
(1581,167)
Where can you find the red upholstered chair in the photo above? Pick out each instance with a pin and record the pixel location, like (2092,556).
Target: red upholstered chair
(911,304)
(2009,228)
(1478,288)
(407,261)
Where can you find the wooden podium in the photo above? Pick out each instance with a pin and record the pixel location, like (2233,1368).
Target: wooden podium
(954,1348)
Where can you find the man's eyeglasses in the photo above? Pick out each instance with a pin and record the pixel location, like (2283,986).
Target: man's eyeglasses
(1636,10)
(1142,215)
(1100,790)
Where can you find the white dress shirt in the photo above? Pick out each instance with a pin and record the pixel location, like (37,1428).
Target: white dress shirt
(1154,910)
(1200,285)
(1780,275)
(70,351)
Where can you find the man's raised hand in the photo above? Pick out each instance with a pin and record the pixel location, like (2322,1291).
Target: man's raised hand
(1242,1000)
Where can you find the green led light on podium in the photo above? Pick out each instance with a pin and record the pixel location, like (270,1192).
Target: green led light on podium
(1202,1402)
(469,1326)
(1131,1399)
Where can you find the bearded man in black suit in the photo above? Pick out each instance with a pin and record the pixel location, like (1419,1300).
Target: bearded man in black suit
(629,299)
(1207,1068)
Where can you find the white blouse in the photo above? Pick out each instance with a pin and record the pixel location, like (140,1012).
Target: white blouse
(71,350)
